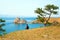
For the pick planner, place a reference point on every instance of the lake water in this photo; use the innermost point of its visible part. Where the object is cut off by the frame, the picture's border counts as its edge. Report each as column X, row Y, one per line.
column 11, row 27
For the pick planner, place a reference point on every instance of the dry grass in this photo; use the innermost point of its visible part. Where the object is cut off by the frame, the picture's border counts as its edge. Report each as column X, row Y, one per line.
column 54, row 19
column 46, row 33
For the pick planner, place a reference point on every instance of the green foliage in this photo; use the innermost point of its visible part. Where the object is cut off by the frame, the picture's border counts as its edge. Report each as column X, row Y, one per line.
column 39, row 11
column 51, row 7
column 40, row 18
column 2, row 20
column 0, row 34
column 48, row 10
column 2, row 31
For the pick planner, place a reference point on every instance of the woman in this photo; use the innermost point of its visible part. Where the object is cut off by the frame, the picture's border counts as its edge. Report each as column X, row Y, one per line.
column 27, row 27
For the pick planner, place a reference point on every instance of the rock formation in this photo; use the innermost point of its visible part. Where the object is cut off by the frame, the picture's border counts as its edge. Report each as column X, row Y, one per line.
column 23, row 21
column 18, row 20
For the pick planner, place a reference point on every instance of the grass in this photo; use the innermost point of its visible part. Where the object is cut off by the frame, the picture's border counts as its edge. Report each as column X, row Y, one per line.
column 54, row 19
column 45, row 33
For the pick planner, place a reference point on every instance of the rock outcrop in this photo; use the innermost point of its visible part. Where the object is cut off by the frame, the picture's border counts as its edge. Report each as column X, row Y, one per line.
column 23, row 21
column 18, row 20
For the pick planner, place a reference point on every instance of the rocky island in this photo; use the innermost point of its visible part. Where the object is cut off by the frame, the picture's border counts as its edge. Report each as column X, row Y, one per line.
column 18, row 20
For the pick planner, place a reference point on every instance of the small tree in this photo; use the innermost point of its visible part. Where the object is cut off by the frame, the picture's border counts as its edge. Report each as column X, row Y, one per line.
column 2, row 31
column 48, row 10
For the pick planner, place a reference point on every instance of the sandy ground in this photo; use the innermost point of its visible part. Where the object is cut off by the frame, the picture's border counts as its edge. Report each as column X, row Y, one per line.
column 45, row 33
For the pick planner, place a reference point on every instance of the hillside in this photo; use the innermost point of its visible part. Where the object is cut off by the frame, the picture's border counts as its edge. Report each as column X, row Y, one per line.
column 54, row 19
column 46, row 33
column 51, row 20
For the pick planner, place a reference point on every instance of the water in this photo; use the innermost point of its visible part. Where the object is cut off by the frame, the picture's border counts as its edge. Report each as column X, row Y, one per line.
column 11, row 27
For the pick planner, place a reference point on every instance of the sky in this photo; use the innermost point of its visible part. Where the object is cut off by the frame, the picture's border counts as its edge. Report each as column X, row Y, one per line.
column 24, row 8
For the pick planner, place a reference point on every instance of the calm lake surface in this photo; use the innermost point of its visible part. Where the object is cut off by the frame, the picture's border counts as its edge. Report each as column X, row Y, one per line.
column 11, row 27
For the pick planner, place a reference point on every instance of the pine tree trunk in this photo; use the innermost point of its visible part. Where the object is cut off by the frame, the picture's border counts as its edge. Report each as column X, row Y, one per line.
column 47, row 19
